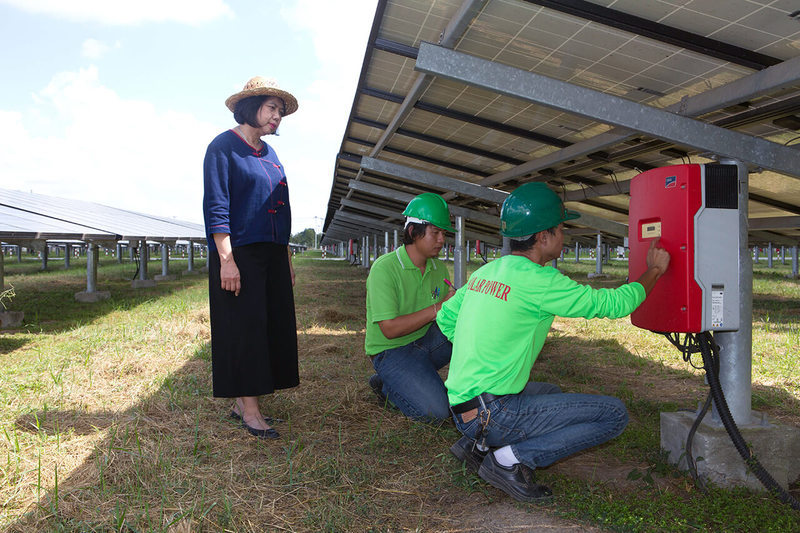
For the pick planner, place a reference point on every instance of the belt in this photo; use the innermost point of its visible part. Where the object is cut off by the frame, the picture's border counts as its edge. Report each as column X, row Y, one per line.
column 474, row 403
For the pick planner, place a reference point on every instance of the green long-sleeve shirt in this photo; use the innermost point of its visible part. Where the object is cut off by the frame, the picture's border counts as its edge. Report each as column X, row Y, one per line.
column 499, row 320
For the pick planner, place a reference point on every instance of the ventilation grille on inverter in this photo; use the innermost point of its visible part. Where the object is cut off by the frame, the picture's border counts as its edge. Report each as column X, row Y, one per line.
column 722, row 186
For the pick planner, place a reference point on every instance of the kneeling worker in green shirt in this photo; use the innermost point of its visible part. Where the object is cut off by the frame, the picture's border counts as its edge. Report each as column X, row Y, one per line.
column 498, row 323
column 405, row 289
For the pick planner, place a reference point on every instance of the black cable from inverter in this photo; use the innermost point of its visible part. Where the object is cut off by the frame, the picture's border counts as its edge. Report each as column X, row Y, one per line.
column 711, row 365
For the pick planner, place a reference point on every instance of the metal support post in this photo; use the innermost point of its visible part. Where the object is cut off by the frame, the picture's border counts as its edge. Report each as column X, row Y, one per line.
column 2, row 271
column 446, row 252
column 119, row 252
column 365, row 251
column 67, row 254
column 769, row 255
column 143, row 258
column 736, row 346
column 396, row 242
column 375, row 245
column 459, row 262
column 466, row 249
column 386, row 242
column 555, row 263
column 190, row 257
column 598, row 269
column 562, row 254
column 45, row 250
column 577, row 252
column 755, row 253
column 794, row 261
column 19, row 254
column 164, row 259
column 91, row 268
column 783, row 255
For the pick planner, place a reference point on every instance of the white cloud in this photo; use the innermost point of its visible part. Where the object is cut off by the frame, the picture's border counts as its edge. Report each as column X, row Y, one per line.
column 94, row 49
column 82, row 140
column 118, row 12
column 339, row 32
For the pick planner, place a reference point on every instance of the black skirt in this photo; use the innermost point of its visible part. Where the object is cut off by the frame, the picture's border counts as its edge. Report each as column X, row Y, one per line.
column 253, row 335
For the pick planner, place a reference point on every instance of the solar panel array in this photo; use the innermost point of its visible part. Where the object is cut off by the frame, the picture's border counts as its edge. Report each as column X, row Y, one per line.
column 26, row 216
column 733, row 64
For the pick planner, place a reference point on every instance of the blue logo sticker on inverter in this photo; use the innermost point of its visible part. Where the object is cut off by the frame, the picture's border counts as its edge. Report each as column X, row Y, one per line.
column 670, row 182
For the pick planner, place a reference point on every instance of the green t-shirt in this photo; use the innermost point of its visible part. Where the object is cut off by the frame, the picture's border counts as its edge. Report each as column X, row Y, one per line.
column 499, row 320
column 395, row 287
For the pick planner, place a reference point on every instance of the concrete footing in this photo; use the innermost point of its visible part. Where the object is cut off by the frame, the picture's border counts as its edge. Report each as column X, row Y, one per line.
column 162, row 277
column 11, row 319
column 776, row 446
column 596, row 275
column 143, row 283
column 90, row 297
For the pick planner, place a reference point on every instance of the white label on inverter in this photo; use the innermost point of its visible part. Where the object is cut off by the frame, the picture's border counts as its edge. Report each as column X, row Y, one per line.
column 717, row 300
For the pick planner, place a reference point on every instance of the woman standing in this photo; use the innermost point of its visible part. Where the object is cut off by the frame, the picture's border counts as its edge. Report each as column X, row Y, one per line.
column 248, row 223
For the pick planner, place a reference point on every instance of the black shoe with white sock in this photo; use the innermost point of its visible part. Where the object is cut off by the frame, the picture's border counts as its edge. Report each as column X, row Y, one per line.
column 517, row 481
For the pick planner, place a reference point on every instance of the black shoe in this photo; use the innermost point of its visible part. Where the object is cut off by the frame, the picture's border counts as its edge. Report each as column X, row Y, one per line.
column 376, row 384
column 268, row 419
column 516, row 481
column 467, row 452
column 261, row 433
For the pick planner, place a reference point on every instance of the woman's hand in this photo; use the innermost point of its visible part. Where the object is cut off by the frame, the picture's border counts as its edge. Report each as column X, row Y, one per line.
column 291, row 268
column 229, row 276
column 228, row 271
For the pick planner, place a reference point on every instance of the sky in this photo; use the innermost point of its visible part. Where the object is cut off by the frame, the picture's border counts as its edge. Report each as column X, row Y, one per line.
column 115, row 102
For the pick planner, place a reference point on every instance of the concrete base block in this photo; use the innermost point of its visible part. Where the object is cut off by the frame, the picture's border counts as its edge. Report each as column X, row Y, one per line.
column 11, row 319
column 162, row 277
column 143, row 283
column 596, row 275
column 776, row 446
column 95, row 296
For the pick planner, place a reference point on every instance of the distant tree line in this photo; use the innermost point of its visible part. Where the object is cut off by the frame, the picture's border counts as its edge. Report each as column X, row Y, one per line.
column 306, row 237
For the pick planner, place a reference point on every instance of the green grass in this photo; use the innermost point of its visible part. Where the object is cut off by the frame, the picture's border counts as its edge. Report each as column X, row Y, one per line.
column 108, row 423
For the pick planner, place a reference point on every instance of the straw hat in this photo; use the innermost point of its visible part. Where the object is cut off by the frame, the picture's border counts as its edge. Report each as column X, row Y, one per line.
column 263, row 86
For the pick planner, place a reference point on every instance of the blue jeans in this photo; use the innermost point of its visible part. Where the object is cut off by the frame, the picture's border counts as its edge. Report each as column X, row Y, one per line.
column 410, row 378
column 543, row 425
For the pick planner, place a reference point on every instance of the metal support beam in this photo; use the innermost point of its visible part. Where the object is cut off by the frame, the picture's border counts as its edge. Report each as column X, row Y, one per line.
column 794, row 261
column 606, row 108
column 432, row 179
column 462, row 187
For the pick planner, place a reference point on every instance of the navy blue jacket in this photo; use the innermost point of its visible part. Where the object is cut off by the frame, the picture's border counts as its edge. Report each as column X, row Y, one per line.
column 246, row 194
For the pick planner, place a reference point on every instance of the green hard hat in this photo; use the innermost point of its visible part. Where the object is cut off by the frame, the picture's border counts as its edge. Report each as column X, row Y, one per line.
column 431, row 208
column 531, row 208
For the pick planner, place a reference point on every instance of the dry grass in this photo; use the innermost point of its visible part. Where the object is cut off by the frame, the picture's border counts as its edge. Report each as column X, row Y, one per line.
column 109, row 424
